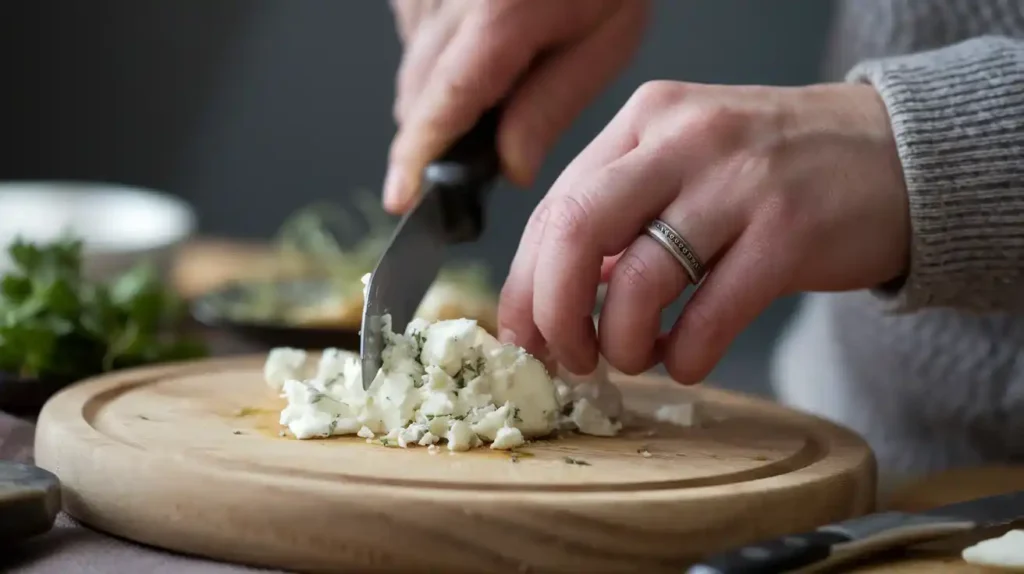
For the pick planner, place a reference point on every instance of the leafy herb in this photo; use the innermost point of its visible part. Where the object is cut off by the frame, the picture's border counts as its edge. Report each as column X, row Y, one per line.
column 385, row 441
column 576, row 461
column 56, row 323
column 515, row 415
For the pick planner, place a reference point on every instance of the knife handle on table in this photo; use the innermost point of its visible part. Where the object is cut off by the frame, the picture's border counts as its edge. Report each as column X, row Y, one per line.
column 781, row 555
column 463, row 176
column 854, row 539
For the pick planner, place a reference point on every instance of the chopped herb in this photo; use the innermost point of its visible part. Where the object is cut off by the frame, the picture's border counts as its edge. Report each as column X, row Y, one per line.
column 331, row 427
column 576, row 461
column 385, row 441
column 514, row 456
column 144, row 417
column 317, row 397
column 282, row 434
column 515, row 415
column 419, row 339
column 236, row 432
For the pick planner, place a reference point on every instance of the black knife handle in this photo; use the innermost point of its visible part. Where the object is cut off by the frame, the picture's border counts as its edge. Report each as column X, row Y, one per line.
column 464, row 175
column 772, row 557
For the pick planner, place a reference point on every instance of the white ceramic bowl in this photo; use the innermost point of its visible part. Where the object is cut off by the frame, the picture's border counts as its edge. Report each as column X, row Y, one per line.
column 118, row 225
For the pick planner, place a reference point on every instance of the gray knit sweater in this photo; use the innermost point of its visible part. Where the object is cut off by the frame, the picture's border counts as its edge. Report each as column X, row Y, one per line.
column 932, row 374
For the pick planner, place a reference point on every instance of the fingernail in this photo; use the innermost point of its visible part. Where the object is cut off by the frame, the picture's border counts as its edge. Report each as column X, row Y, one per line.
column 507, row 336
column 395, row 188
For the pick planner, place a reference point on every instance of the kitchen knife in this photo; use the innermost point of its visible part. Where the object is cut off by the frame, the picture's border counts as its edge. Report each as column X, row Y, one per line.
column 450, row 210
column 863, row 537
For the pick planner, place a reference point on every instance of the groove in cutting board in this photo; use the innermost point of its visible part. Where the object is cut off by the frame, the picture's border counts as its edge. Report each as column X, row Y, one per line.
column 187, row 457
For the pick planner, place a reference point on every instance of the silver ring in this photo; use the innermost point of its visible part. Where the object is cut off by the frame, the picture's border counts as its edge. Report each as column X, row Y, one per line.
column 674, row 243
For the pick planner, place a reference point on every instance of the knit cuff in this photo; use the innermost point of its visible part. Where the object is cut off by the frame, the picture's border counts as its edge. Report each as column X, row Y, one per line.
column 958, row 118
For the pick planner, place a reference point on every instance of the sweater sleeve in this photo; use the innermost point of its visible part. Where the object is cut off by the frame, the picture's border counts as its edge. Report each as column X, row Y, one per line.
column 957, row 114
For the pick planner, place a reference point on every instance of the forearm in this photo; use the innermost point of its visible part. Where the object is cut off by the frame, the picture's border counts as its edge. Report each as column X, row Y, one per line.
column 958, row 118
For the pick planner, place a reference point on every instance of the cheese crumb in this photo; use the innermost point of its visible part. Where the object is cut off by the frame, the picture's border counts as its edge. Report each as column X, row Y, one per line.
column 507, row 438
column 1005, row 552
column 282, row 364
column 590, row 420
column 679, row 414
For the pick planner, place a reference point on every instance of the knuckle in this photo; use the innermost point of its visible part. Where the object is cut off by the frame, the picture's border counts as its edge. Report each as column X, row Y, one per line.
column 715, row 121
column 535, row 224
column 633, row 271
column 569, row 219
column 654, row 94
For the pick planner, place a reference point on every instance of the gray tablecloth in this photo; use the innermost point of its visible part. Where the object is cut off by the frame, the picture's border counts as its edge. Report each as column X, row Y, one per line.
column 71, row 548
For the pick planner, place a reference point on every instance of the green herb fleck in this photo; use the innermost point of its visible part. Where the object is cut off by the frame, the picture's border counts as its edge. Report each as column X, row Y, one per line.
column 236, row 432
column 576, row 461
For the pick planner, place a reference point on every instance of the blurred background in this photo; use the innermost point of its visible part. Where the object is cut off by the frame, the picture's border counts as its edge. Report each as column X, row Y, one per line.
column 250, row 109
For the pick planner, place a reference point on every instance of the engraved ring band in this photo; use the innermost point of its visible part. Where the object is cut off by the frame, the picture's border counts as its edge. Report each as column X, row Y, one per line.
column 674, row 243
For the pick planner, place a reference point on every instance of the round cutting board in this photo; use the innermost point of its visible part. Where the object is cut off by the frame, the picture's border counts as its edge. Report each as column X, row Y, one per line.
column 190, row 457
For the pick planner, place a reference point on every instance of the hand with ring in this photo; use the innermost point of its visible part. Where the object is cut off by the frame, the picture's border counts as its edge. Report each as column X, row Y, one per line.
column 753, row 192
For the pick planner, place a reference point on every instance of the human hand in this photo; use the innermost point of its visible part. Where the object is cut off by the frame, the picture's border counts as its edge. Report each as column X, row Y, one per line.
column 777, row 190
column 545, row 61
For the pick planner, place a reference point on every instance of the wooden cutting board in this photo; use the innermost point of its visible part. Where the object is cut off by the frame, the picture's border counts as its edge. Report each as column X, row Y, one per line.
column 188, row 457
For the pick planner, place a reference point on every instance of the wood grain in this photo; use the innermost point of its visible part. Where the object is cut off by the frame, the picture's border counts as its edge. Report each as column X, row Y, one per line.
column 188, row 457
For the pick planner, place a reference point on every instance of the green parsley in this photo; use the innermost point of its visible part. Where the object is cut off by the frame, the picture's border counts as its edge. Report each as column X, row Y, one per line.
column 56, row 323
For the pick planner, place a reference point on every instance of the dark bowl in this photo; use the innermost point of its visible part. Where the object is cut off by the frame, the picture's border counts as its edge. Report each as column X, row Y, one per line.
column 26, row 395
column 210, row 311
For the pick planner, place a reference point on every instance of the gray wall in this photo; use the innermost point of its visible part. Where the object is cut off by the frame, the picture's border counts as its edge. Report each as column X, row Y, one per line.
column 252, row 108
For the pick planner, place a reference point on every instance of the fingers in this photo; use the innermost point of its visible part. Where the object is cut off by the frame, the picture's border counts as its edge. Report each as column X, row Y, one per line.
column 558, row 89
column 590, row 219
column 420, row 58
column 739, row 287
column 492, row 48
column 515, row 309
column 648, row 278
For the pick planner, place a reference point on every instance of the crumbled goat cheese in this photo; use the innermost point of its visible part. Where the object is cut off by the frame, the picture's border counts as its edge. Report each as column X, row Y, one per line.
column 1005, row 552
column 590, row 420
column 282, row 364
column 447, row 380
column 507, row 438
column 680, row 414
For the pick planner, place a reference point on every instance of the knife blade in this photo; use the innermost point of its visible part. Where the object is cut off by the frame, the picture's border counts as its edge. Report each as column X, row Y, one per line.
column 450, row 211
column 863, row 537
